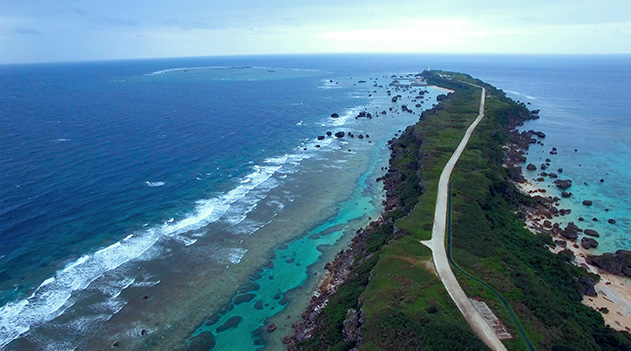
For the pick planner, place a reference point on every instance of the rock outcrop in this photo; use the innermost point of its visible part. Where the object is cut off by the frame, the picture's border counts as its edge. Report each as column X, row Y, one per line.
column 618, row 263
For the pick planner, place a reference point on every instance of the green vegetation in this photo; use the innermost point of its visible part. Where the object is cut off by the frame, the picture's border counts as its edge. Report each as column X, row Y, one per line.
column 404, row 303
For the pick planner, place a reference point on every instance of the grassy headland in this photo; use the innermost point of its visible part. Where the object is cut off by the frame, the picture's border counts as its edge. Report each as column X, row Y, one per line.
column 392, row 300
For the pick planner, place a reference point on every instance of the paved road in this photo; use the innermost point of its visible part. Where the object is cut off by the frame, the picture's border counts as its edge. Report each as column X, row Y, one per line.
column 439, row 251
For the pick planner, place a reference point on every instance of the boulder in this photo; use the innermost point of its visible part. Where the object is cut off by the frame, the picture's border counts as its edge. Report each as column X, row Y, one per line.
column 587, row 286
column 329, row 133
column 587, row 202
column 563, row 183
column 618, row 263
column 611, row 221
column 321, row 137
column 560, row 170
column 271, row 328
column 565, row 194
column 537, row 133
column 339, row 134
column 588, row 243
column 571, row 231
column 334, row 115
column 543, row 166
column 531, row 167
column 591, row 232
column 553, row 175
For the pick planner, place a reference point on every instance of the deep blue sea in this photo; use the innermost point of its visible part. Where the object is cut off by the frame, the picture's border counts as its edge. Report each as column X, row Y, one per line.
column 120, row 176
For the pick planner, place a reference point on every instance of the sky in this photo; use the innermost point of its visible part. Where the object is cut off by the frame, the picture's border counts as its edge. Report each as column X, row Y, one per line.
column 85, row 30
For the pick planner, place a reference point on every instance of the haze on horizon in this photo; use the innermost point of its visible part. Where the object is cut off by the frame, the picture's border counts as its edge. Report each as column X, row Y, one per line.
column 81, row 30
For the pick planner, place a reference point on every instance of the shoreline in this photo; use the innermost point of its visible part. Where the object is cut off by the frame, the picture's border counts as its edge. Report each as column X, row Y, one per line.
column 611, row 294
column 353, row 264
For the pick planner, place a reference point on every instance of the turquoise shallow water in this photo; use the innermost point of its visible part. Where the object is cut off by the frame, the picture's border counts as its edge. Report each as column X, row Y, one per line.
column 289, row 269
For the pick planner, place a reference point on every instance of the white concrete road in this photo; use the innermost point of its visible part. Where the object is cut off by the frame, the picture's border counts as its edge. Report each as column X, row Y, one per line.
column 439, row 251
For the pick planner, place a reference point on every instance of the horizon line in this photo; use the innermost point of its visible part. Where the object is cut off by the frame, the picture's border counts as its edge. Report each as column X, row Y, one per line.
column 305, row 54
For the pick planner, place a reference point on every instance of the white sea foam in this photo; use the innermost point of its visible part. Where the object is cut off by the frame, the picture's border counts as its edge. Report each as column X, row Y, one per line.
column 184, row 69
column 235, row 255
column 520, row 94
column 53, row 296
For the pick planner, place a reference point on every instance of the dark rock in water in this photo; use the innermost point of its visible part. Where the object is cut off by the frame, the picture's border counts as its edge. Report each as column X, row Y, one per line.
column 563, row 183
column 271, row 328
column 591, row 232
column 571, row 231
column 588, row 243
column 580, row 219
column 618, row 263
column 611, row 221
column 587, row 286
column 565, row 211
column 543, row 166
column 320, row 137
column 553, row 175
column 367, row 136
column 232, row 322
column 587, row 202
column 565, row 194
column 531, row 167
column 541, row 179
column 258, row 305
column 384, row 112
column 602, row 180
column 335, row 115
column 595, row 219
column 339, row 134
column 317, row 145
column 360, row 136
column 537, row 133
column 543, row 174
column 329, row 133
column 239, row 299
column 560, row 170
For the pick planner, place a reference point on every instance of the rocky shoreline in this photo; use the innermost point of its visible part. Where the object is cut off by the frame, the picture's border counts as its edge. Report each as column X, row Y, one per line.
column 339, row 270
column 610, row 294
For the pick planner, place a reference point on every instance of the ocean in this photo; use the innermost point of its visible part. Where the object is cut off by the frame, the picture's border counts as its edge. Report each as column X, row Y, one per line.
column 188, row 203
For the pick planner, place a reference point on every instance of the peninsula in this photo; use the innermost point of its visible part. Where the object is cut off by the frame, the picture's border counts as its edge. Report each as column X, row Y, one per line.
column 451, row 264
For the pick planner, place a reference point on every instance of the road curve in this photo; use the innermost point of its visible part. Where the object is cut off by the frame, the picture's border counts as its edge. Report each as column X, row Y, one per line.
column 439, row 251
